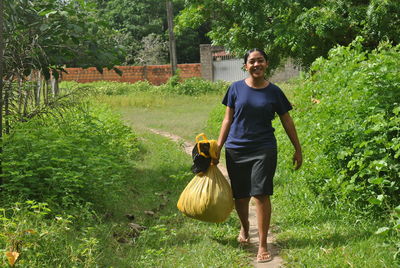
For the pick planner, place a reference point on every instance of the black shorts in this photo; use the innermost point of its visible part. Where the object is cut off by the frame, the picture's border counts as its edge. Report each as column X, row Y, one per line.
column 251, row 173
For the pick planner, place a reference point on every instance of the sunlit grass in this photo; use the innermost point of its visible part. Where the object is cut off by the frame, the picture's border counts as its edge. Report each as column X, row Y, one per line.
column 184, row 116
column 171, row 239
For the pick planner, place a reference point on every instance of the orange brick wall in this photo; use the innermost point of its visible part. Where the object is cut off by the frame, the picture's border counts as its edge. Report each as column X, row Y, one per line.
column 155, row 74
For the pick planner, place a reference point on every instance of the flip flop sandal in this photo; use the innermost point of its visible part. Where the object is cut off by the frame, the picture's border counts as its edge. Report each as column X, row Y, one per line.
column 242, row 240
column 264, row 257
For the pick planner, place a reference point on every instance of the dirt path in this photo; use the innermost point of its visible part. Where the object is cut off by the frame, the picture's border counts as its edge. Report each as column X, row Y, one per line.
column 253, row 247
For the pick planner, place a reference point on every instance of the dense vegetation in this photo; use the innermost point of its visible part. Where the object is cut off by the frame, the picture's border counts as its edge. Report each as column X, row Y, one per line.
column 141, row 30
column 69, row 166
column 72, row 175
column 303, row 30
column 356, row 126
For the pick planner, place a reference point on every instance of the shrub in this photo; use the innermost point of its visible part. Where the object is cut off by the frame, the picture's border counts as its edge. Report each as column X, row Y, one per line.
column 194, row 86
column 43, row 240
column 356, row 124
column 110, row 88
column 83, row 156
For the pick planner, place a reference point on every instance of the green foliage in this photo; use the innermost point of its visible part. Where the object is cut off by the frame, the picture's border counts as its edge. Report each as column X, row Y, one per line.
column 357, row 124
column 191, row 87
column 110, row 88
column 214, row 121
column 82, row 156
column 302, row 30
column 49, row 34
column 44, row 240
column 136, row 21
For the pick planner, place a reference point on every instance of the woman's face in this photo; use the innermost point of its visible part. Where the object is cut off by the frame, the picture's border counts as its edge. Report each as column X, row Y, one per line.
column 256, row 64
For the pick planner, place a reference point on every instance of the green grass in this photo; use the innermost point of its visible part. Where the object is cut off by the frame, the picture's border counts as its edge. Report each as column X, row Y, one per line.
column 184, row 116
column 314, row 235
column 171, row 239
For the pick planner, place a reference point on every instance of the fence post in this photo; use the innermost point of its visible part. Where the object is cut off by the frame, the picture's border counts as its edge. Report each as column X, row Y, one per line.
column 206, row 61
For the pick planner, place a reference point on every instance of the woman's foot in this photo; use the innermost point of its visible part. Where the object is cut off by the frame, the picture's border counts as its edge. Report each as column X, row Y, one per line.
column 264, row 257
column 243, row 237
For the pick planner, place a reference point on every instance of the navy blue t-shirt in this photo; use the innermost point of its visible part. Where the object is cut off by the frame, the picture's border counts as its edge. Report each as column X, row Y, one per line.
column 254, row 109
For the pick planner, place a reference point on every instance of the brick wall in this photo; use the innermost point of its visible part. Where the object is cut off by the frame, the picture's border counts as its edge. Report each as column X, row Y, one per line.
column 155, row 74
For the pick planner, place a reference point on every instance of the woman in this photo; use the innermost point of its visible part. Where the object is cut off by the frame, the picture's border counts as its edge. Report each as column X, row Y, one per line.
column 250, row 144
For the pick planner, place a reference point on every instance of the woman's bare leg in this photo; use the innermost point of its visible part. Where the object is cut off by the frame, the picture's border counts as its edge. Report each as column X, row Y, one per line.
column 263, row 212
column 242, row 209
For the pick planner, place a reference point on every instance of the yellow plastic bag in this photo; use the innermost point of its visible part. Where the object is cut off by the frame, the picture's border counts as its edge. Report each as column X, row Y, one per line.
column 208, row 196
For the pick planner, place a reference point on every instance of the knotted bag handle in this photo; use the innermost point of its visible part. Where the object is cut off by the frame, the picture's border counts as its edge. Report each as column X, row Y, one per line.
column 198, row 141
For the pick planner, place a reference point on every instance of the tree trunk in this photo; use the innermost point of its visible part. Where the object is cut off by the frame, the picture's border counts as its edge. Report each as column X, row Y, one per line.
column 38, row 88
column 1, row 89
column 54, row 87
column 20, row 97
column 25, row 101
column 172, row 45
column 7, row 96
column 44, row 90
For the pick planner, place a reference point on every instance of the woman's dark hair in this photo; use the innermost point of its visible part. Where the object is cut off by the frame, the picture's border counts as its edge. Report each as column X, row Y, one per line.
column 252, row 50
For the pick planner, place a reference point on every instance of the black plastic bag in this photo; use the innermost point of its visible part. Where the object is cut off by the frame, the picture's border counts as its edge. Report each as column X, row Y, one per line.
column 200, row 162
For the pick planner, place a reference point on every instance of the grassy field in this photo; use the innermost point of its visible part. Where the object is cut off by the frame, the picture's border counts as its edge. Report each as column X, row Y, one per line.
column 171, row 239
column 182, row 115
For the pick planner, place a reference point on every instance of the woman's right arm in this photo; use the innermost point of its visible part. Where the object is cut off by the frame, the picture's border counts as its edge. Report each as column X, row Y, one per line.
column 223, row 133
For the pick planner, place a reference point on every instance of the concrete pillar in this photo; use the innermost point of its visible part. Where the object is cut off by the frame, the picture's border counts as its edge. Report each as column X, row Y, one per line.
column 206, row 61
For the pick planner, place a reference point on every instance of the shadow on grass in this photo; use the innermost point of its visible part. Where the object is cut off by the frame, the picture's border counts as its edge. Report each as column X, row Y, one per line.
column 231, row 242
column 317, row 240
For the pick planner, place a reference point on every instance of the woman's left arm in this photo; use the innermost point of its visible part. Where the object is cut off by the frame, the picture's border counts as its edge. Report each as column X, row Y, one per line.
column 290, row 129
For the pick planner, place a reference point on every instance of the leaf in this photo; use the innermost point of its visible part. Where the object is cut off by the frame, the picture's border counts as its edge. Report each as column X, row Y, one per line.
column 12, row 257
column 44, row 27
column 397, row 209
column 376, row 180
column 48, row 13
column 118, row 71
column 30, row 231
column 382, row 231
column 374, row 201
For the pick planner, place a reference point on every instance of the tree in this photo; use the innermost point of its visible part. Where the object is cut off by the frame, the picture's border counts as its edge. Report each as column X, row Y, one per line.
column 135, row 19
column 41, row 37
column 1, row 88
column 302, row 30
column 153, row 51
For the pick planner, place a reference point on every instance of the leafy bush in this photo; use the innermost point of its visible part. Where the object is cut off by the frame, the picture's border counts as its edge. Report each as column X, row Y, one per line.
column 43, row 240
column 110, row 88
column 82, row 156
column 192, row 87
column 357, row 124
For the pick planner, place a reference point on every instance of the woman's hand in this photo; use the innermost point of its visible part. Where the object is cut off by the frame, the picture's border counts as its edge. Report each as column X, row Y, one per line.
column 290, row 129
column 297, row 159
column 215, row 161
